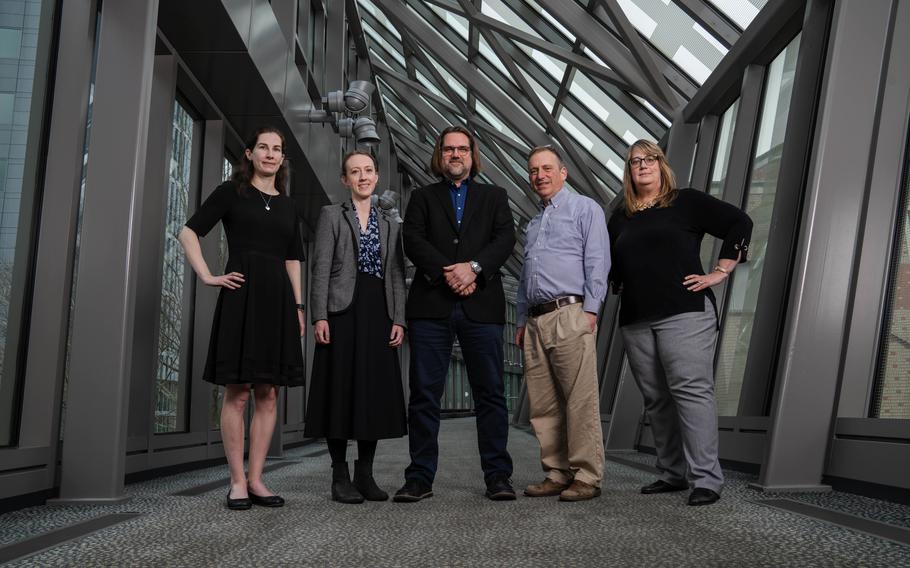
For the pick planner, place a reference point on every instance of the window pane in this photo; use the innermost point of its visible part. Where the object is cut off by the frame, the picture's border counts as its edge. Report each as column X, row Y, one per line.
column 170, row 381
column 218, row 391
column 741, row 303
column 719, row 171
column 891, row 398
column 20, row 157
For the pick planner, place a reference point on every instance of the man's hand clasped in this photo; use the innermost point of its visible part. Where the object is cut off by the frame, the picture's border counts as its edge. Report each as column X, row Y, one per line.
column 460, row 278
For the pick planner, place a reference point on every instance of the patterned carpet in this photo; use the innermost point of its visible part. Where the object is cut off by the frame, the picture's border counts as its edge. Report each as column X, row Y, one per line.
column 457, row 527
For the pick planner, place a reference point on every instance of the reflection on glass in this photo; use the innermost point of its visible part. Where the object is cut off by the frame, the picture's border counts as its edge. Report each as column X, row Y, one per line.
column 741, row 304
column 719, row 172
column 891, row 398
column 20, row 134
column 170, row 382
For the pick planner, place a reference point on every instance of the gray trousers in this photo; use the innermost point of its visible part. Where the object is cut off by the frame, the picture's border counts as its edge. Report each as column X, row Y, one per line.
column 672, row 360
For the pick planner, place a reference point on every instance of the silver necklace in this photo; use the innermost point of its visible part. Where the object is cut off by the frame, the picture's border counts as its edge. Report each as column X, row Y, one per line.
column 267, row 203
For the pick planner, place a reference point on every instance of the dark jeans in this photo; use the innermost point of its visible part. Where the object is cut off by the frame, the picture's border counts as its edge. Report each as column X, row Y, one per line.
column 431, row 351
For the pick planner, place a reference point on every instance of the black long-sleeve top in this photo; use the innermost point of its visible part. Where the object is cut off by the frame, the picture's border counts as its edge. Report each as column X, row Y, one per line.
column 655, row 249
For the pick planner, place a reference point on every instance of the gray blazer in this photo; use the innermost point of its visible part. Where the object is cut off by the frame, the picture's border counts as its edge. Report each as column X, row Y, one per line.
column 335, row 262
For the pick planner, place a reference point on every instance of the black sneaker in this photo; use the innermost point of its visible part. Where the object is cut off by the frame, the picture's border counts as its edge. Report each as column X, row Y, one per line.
column 500, row 489
column 412, row 491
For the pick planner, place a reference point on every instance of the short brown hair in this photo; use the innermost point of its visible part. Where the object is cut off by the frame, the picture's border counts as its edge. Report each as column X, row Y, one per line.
column 351, row 154
column 668, row 189
column 551, row 149
column 437, row 166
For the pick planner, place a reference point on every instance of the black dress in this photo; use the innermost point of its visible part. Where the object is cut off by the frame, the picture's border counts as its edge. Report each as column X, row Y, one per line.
column 255, row 332
column 356, row 391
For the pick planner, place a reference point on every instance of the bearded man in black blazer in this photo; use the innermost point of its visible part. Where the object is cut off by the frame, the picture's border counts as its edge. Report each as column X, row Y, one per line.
column 458, row 233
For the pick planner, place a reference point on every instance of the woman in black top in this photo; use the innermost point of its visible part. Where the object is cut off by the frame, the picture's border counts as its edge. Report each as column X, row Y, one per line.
column 357, row 306
column 668, row 312
column 258, row 319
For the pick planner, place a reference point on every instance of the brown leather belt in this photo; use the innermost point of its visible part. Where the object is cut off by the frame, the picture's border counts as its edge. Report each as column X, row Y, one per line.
column 547, row 307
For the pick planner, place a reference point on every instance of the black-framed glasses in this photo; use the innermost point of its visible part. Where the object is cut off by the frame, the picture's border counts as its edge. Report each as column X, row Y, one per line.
column 649, row 160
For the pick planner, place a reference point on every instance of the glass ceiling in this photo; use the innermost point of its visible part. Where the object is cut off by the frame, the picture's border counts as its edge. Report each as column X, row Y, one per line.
column 595, row 89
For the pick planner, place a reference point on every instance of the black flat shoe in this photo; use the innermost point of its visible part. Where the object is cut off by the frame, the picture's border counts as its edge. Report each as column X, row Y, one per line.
column 703, row 496
column 661, row 486
column 270, row 501
column 238, row 504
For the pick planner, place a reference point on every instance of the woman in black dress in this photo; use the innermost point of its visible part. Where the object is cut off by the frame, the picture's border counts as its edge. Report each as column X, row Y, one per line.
column 357, row 307
column 668, row 316
column 259, row 317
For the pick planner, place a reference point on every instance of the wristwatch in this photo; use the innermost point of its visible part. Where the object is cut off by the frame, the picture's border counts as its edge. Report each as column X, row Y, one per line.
column 475, row 267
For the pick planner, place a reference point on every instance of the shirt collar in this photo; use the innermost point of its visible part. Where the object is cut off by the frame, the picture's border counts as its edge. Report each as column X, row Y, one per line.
column 558, row 199
column 463, row 185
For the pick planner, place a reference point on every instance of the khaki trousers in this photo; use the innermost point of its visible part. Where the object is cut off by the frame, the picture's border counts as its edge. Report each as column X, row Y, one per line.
column 561, row 376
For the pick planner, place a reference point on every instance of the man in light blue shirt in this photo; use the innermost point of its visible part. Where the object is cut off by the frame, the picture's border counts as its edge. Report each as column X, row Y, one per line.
column 562, row 288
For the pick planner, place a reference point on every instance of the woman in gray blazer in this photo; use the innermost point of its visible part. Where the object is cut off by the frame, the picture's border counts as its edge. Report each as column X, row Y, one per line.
column 357, row 307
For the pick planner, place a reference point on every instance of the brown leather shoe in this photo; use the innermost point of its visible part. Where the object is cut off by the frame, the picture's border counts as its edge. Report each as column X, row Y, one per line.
column 579, row 491
column 548, row 488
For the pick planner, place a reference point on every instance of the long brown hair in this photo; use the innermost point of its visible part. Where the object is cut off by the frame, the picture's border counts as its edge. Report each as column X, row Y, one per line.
column 244, row 171
column 668, row 189
column 437, row 166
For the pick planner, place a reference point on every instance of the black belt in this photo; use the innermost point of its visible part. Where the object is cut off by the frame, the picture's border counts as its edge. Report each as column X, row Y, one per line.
column 547, row 307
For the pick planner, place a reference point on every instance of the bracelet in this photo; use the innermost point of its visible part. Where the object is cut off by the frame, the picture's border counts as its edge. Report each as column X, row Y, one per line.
column 301, row 307
column 719, row 268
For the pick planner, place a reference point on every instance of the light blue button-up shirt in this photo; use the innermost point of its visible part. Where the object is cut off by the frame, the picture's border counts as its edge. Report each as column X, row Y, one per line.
column 567, row 252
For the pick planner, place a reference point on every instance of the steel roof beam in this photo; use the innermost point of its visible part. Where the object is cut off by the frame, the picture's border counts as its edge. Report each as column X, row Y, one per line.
column 593, row 186
column 592, row 33
column 642, row 55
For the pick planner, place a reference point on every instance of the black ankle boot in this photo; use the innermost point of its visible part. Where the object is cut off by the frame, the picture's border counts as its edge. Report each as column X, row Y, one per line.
column 343, row 490
column 364, row 482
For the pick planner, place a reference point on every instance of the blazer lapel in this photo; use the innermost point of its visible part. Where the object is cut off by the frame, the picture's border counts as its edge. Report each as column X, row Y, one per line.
column 350, row 216
column 384, row 233
column 472, row 202
column 444, row 195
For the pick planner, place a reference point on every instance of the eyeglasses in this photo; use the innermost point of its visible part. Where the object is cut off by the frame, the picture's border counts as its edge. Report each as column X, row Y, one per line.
column 648, row 160
column 449, row 150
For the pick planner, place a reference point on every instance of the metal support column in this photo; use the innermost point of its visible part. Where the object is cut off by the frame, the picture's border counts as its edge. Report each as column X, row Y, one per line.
column 94, row 450
column 807, row 374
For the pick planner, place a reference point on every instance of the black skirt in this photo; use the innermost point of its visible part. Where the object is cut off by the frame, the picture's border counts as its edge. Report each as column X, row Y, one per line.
column 255, row 332
column 356, row 391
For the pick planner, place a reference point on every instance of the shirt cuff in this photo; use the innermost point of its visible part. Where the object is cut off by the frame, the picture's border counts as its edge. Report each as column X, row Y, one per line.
column 592, row 305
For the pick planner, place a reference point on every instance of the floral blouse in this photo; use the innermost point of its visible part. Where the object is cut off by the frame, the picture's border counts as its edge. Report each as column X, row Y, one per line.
column 369, row 258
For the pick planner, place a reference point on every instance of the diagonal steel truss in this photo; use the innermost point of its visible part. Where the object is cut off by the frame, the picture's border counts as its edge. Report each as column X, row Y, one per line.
column 494, row 80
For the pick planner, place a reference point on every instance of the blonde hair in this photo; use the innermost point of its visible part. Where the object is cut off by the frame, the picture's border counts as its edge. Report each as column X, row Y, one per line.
column 668, row 189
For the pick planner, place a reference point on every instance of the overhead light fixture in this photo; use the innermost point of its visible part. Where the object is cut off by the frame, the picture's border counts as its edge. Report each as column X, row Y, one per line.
column 349, row 105
column 365, row 132
column 388, row 201
column 354, row 101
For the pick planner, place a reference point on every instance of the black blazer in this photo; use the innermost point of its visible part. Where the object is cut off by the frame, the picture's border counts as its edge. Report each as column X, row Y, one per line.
column 432, row 240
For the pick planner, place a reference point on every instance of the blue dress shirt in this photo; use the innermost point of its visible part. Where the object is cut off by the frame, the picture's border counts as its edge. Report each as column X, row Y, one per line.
column 567, row 252
column 459, row 195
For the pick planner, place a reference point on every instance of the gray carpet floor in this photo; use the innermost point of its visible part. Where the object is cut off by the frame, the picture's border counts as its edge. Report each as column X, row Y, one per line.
column 457, row 527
